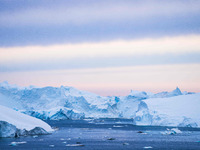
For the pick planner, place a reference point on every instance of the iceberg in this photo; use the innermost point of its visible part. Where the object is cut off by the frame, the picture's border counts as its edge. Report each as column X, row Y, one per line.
column 56, row 103
column 14, row 124
column 172, row 131
column 7, row 129
column 173, row 108
column 57, row 113
column 175, row 92
column 181, row 111
column 138, row 94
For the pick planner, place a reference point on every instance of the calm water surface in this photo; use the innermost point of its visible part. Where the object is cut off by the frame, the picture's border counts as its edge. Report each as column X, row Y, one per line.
column 106, row 134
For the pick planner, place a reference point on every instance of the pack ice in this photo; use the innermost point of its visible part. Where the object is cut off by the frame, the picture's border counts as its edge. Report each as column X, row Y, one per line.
column 174, row 108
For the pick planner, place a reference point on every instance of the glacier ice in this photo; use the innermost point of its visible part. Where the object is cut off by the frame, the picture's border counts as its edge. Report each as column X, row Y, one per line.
column 173, row 108
column 7, row 129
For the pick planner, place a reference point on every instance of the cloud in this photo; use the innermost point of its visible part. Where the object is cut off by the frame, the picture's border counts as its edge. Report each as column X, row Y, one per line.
column 37, row 37
column 105, row 11
column 179, row 49
column 40, row 23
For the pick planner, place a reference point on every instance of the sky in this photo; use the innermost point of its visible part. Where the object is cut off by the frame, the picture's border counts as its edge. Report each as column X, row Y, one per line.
column 106, row 47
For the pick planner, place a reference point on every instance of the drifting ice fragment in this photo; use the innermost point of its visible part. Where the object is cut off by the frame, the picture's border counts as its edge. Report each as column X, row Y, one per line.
column 74, row 145
column 35, row 136
column 16, row 143
column 125, row 143
column 172, row 131
column 148, row 147
column 117, row 126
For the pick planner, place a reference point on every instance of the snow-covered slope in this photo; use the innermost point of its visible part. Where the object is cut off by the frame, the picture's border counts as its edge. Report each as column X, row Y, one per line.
column 69, row 103
column 13, row 122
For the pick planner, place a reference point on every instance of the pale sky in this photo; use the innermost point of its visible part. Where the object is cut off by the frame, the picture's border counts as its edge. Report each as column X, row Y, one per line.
column 106, row 47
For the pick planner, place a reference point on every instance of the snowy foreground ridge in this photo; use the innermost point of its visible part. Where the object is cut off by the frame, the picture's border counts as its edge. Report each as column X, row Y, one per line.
column 174, row 108
column 14, row 124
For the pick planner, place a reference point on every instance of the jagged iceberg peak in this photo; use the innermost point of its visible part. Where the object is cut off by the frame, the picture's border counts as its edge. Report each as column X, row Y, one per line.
column 6, row 85
column 71, row 91
column 138, row 94
column 175, row 92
